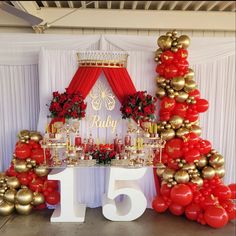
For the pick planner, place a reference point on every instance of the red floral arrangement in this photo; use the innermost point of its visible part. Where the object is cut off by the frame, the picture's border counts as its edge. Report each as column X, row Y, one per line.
column 139, row 106
column 67, row 105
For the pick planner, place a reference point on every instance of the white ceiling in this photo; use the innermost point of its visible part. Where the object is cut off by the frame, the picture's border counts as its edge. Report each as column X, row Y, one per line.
column 139, row 5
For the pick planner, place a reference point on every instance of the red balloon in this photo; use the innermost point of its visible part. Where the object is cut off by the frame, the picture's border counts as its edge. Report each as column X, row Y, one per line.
column 36, row 185
column 165, row 190
column 170, row 71
column 192, row 211
column 164, row 115
column 183, row 65
column 176, row 209
column 216, row 216
column 174, row 147
column 167, row 104
column 11, row 171
column 209, row 200
column 233, row 190
column 23, row 178
column 195, row 93
column 192, row 116
column 167, row 57
column 22, row 151
column 38, row 155
column 181, row 54
column 231, row 211
column 205, row 147
column 53, row 198
column 51, row 184
column 202, row 105
column 180, row 109
column 191, row 138
column 159, row 205
column 160, row 69
column 181, row 194
column 41, row 206
column 223, row 192
column 192, row 155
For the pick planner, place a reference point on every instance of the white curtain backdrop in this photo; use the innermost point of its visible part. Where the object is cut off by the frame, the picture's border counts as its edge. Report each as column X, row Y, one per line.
column 213, row 60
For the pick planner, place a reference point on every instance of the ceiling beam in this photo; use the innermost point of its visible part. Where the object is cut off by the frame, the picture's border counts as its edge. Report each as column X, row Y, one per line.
column 108, row 4
column 173, row 5
column 198, row 5
column 134, row 5
column 224, row 5
column 212, row 5
column 28, row 6
column 160, row 5
column 58, row 4
column 122, row 4
column 147, row 5
column 139, row 19
column 186, row 5
column 96, row 4
column 83, row 4
column 45, row 3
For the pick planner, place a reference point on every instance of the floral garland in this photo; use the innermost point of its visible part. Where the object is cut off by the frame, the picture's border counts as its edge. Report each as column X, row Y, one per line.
column 139, row 106
column 67, row 105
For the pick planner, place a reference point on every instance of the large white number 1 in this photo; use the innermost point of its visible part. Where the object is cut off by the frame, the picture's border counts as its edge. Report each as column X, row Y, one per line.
column 68, row 210
column 121, row 182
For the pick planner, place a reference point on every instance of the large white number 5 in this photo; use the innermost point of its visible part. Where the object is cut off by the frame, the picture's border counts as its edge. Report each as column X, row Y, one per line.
column 121, row 182
column 68, row 210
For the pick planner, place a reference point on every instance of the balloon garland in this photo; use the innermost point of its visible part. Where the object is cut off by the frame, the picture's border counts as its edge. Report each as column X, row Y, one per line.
column 24, row 186
column 190, row 170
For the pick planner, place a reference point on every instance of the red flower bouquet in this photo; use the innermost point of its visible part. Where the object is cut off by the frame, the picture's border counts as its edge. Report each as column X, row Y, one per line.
column 67, row 105
column 139, row 106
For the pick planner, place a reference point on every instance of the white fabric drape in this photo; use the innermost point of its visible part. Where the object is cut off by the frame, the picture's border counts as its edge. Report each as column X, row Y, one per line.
column 19, row 106
column 213, row 60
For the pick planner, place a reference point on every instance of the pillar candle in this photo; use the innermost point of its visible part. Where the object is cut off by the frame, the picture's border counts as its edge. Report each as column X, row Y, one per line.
column 127, row 140
column 78, row 141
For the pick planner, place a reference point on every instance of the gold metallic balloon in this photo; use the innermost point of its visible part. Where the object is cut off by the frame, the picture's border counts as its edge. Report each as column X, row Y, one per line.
column 24, row 196
column 158, row 53
column 184, row 40
column 176, row 121
column 2, row 175
column 182, row 96
column 190, row 74
column 41, row 171
column 24, row 134
column 20, row 166
column 189, row 85
column 220, row 171
column 160, row 80
column 208, row 172
column 168, row 174
column 38, row 199
column 196, row 129
column 35, row 136
column 177, row 83
column 160, row 169
column 6, row 208
column 190, row 166
column 216, row 160
column 160, row 92
column 198, row 181
column 182, row 176
column 181, row 132
column 202, row 162
column 164, row 42
column 167, row 134
column 23, row 209
column 13, row 182
column 9, row 195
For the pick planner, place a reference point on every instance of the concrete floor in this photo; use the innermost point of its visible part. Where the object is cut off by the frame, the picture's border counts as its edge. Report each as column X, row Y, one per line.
column 149, row 224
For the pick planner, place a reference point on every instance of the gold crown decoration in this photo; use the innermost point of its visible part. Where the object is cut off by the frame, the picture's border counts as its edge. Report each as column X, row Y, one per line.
column 102, row 59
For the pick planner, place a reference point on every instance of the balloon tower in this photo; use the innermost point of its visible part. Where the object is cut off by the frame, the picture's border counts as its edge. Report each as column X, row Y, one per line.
column 189, row 170
column 24, row 186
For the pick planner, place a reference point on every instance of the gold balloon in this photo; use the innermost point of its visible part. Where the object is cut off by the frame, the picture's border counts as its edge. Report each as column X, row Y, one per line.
column 190, row 166
column 24, row 196
column 164, row 42
column 189, row 85
column 196, row 129
column 182, row 176
column 158, row 52
column 23, row 209
column 184, row 40
column 198, row 181
column 167, row 134
column 202, row 162
column 216, row 160
column 181, row 132
column 9, row 195
column 35, row 136
column 177, row 83
column 208, row 172
column 176, row 121
column 2, row 175
column 220, row 171
column 41, row 171
column 20, row 166
column 6, row 208
column 168, row 174
column 160, row 80
column 160, row 92
column 38, row 199
column 13, row 182
column 182, row 96
column 24, row 134
column 190, row 74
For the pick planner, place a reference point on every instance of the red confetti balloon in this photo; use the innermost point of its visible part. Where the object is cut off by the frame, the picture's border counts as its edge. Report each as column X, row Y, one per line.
column 176, row 209
column 167, row 57
column 167, row 104
column 174, row 147
column 216, row 216
column 181, row 194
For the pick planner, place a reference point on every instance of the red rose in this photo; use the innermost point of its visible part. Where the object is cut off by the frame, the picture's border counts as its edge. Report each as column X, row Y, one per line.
column 83, row 106
column 128, row 110
column 147, row 110
column 55, row 94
